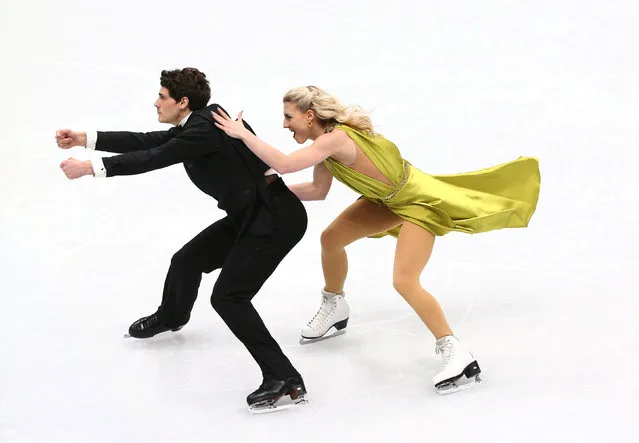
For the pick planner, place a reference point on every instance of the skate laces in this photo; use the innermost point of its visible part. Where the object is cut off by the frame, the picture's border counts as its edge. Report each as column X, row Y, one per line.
column 149, row 322
column 447, row 350
column 324, row 312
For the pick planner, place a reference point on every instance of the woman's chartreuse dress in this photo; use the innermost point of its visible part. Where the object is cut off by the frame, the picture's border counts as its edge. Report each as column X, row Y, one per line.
column 498, row 197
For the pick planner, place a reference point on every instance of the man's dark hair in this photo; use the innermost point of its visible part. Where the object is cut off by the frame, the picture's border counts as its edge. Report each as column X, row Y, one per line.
column 189, row 83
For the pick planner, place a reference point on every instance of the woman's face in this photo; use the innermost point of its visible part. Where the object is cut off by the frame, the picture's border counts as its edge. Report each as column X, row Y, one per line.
column 297, row 122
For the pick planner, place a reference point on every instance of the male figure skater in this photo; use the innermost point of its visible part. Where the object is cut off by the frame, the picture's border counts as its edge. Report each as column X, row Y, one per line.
column 264, row 221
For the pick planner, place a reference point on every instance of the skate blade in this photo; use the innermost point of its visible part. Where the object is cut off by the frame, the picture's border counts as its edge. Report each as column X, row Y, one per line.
column 306, row 341
column 456, row 386
column 127, row 335
column 283, row 403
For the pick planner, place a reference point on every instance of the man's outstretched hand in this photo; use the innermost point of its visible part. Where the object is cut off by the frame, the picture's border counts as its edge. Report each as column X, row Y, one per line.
column 66, row 138
column 74, row 168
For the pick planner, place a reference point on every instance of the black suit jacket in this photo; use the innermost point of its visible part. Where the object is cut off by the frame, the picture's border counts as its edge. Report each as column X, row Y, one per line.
column 219, row 165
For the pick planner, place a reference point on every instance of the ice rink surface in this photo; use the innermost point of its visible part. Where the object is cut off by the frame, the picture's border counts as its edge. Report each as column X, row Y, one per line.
column 549, row 311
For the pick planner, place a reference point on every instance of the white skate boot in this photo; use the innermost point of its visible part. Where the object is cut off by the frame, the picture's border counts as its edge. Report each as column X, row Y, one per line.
column 332, row 316
column 458, row 362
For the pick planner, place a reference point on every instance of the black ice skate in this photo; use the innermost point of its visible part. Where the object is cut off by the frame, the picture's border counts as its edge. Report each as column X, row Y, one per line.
column 273, row 395
column 147, row 327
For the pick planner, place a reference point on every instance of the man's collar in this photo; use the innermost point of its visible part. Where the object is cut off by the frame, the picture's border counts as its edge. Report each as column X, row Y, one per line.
column 183, row 122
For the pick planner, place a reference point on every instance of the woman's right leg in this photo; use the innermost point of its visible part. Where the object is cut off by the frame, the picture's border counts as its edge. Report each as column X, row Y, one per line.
column 361, row 219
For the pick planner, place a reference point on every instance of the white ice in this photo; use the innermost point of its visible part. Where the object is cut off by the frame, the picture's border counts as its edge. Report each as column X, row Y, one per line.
column 550, row 311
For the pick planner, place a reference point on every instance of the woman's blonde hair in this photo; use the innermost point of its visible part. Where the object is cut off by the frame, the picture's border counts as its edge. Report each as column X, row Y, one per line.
column 328, row 109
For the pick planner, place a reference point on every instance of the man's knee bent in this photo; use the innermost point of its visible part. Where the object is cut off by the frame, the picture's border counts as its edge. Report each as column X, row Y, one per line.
column 180, row 258
column 218, row 303
column 189, row 262
column 224, row 299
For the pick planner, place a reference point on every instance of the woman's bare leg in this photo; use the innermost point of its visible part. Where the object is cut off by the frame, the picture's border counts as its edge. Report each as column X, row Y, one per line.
column 414, row 248
column 361, row 219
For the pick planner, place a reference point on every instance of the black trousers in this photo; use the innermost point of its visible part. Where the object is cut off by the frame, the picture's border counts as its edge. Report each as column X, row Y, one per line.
column 245, row 266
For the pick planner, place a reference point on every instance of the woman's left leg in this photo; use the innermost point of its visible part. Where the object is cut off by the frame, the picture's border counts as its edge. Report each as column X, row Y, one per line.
column 414, row 248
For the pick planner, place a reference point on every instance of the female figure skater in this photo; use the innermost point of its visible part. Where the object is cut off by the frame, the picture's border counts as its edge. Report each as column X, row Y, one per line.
column 397, row 199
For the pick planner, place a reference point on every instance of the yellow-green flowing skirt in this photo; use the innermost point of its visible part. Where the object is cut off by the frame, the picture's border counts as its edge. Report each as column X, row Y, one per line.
column 502, row 196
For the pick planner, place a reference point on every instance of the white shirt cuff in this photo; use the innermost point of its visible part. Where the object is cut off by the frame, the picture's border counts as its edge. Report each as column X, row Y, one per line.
column 92, row 139
column 98, row 167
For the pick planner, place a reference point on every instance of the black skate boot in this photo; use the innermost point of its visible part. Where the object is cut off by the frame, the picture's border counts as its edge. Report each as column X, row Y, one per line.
column 147, row 327
column 277, row 394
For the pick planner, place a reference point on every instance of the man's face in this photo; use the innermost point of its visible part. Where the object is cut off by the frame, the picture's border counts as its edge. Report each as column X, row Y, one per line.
column 170, row 111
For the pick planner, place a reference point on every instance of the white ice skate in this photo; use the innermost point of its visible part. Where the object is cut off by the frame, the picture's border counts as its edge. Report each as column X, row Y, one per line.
column 460, row 370
column 329, row 321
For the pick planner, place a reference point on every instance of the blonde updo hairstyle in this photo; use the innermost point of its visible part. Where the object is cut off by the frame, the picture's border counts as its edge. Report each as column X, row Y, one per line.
column 328, row 110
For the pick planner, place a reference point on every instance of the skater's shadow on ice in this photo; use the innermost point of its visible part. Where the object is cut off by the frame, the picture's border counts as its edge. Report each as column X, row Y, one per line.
column 175, row 341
